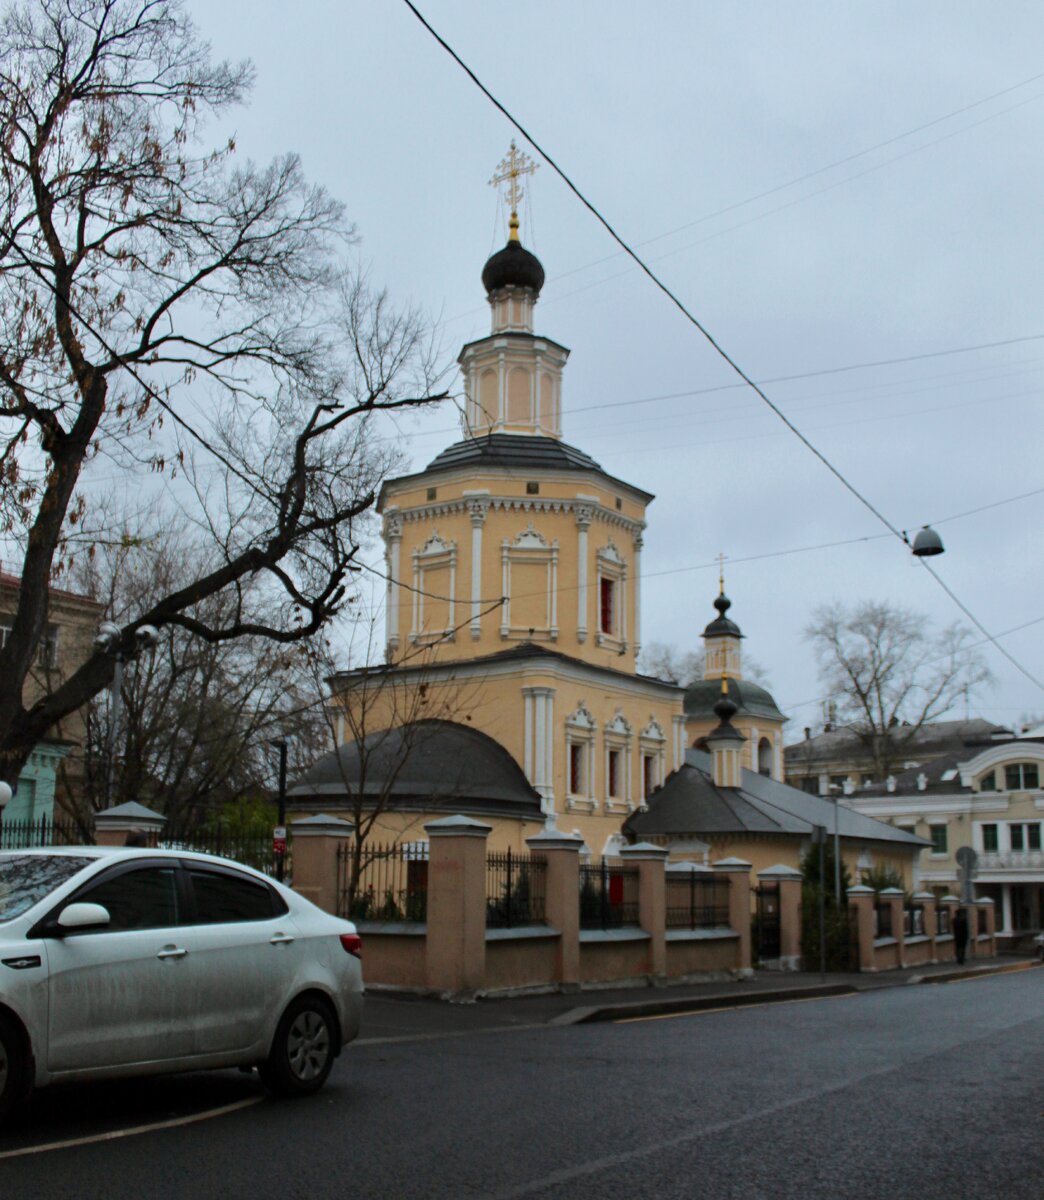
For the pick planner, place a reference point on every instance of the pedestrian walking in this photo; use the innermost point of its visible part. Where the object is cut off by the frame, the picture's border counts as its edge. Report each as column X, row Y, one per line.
column 960, row 933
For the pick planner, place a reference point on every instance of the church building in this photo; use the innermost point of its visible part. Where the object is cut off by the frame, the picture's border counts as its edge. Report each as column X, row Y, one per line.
column 514, row 619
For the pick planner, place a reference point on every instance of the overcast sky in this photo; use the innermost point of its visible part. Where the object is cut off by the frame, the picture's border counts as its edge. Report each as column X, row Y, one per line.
column 688, row 125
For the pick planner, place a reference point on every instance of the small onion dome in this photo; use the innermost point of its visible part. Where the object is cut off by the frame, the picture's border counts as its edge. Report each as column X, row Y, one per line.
column 721, row 623
column 725, row 709
column 514, row 266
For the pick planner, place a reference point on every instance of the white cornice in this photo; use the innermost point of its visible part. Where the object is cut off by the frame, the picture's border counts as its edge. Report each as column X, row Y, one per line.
column 524, row 504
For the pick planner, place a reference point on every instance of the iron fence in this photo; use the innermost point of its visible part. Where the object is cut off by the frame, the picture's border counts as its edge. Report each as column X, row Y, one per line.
column 252, row 847
column 942, row 922
column 40, row 831
column 608, row 896
column 883, row 920
column 913, row 922
column 392, row 882
column 697, row 901
column 515, row 890
column 982, row 926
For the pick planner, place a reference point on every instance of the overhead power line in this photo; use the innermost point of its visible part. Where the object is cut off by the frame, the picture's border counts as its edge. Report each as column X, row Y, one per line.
column 706, row 334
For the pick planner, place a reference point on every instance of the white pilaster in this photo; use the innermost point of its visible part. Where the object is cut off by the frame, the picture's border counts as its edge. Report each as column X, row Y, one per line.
column 638, row 543
column 584, row 516
column 1006, row 907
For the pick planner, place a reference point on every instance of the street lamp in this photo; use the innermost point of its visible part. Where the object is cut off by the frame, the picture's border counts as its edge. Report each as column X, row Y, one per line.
column 926, row 542
column 5, row 795
column 836, row 790
column 110, row 641
column 279, row 841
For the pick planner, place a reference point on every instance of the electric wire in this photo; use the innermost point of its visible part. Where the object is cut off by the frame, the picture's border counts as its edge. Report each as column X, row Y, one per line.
column 706, row 334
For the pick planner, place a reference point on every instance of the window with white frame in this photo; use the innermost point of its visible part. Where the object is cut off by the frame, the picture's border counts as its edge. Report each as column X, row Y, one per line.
column 653, row 744
column 939, row 838
column 434, row 587
column 1021, row 777
column 617, row 734
column 580, row 750
column 529, row 565
column 1024, row 835
column 611, row 597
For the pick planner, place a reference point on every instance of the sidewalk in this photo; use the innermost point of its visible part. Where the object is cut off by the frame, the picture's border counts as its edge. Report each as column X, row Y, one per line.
column 397, row 1016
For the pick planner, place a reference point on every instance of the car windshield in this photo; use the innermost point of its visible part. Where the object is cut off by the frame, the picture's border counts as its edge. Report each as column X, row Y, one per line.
column 26, row 879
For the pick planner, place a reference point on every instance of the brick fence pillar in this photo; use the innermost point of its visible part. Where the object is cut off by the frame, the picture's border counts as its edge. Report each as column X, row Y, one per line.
column 455, row 952
column 861, row 902
column 316, row 843
column 652, row 901
column 951, row 904
column 789, row 882
column 133, row 821
column 561, row 852
column 738, row 872
column 985, row 905
column 926, row 902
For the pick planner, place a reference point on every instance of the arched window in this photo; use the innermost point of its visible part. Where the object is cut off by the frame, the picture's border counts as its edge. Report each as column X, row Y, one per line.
column 765, row 757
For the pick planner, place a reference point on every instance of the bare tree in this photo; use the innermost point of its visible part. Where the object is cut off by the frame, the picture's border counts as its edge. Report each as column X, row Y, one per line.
column 378, row 719
column 685, row 667
column 162, row 311
column 890, row 674
column 190, row 732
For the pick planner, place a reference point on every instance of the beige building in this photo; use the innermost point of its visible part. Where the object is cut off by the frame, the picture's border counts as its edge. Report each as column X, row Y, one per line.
column 55, row 768
column 514, row 565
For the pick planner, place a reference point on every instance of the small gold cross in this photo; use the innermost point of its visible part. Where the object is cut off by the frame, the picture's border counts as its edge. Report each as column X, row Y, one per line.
column 515, row 164
column 721, row 572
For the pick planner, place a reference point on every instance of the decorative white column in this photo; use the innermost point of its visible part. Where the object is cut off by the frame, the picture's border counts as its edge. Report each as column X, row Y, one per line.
column 639, row 541
column 479, row 509
column 539, row 751
column 1006, row 906
column 393, row 547
column 678, row 721
column 584, row 517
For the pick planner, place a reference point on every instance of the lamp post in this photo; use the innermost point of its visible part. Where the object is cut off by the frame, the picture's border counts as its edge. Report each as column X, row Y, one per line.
column 836, row 790
column 279, row 840
column 110, row 641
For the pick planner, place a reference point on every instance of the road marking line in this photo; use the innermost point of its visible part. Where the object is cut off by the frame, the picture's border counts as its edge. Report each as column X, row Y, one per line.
column 115, row 1134
column 699, row 1012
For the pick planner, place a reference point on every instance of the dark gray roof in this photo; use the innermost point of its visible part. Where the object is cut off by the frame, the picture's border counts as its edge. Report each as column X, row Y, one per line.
column 931, row 740
column 689, row 804
column 431, row 764
column 908, row 782
column 516, row 452
column 750, row 699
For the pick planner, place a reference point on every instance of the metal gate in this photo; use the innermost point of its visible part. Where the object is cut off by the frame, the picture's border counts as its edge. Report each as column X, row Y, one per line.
column 765, row 941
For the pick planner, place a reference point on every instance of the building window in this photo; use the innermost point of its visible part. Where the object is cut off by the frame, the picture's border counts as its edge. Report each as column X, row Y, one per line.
column 576, row 768
column 606, row 605
column 47, row 651
column 810, row 784
column 1021, row 777
column 939, row 841
column 765, row 757
column 613, row 772
column 989, row 839
column 1025, row 835
column 988, row 783
column 838, row 781
column 532, row 488
column 648, row 775
column 432, row 493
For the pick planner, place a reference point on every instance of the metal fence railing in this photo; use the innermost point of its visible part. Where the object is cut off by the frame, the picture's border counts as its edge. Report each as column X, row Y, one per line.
column 608, row 896
column 883, row 920
column 252, row 847
column 942, row 921
column 697, row 901
column 391, row 885
column 39, row 831
column 913, row 922
column 515, row 890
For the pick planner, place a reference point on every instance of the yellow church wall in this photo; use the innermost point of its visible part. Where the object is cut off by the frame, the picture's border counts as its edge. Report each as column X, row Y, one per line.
column 752, row 729
column 501, row 510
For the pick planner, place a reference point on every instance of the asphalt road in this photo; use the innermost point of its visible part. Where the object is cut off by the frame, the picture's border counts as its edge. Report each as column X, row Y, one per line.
column 908, row 1092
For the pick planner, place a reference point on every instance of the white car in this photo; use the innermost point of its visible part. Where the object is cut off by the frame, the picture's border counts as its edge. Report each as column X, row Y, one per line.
column 132, row 962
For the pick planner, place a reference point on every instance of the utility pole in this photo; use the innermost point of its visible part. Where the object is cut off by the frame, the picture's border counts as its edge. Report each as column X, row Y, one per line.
column 279, row 838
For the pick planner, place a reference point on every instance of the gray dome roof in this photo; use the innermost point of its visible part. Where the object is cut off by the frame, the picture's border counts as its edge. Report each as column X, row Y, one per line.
column 750, row 699
column 430, row 764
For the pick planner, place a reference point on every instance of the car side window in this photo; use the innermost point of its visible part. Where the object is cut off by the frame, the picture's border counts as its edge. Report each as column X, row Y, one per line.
column 145, row 898
column 223, row 897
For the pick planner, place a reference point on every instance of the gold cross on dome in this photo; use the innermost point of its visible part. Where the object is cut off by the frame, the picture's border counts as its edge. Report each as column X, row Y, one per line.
column 511, row 168
column 721, row 572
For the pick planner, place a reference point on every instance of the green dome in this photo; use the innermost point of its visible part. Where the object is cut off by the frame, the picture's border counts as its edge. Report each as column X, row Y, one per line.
column 750, row 699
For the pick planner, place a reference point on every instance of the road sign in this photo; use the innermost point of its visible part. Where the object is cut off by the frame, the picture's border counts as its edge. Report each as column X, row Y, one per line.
column 279, row 839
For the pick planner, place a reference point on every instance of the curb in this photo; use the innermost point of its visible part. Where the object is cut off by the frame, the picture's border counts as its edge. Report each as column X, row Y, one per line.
column 658, row 1008
column 974, row 973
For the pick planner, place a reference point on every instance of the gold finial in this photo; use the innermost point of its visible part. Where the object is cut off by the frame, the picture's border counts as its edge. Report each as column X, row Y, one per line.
column 724, row 682
column 512, row 167
column 721, row 573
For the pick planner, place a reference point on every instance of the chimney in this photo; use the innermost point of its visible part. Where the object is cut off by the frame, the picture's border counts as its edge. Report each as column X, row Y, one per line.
column 725, row 742
column 808, row 733
column 922, row 781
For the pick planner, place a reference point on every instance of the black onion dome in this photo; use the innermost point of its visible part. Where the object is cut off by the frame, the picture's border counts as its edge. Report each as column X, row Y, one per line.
column 725, row 709
column 514, row 266
column 721, row 623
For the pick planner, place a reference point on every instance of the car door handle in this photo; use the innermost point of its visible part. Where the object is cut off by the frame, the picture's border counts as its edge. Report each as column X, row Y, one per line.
column 281, row 939
column 172, row 952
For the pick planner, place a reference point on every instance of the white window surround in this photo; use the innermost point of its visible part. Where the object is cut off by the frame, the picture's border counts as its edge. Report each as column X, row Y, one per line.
column 530, row 547
column 611, row 566
column 617, row 735
column 580, row 732
column 652, row 743
column 434, row 555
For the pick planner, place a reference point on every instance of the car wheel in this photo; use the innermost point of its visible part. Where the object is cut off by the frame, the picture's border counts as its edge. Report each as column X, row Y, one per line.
column 14, row 1066
column 303, row 1049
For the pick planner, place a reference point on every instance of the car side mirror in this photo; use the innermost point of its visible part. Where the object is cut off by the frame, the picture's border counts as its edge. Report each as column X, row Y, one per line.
column 81, row 916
